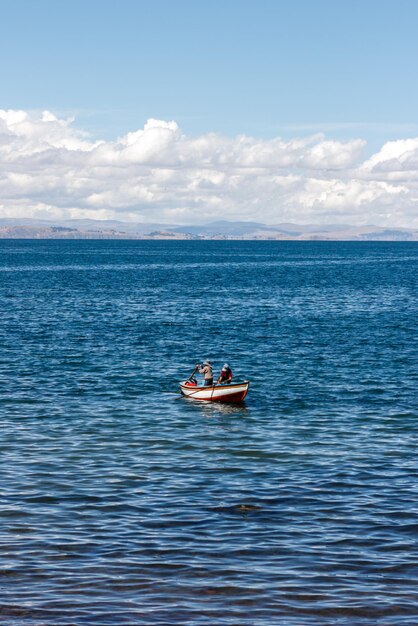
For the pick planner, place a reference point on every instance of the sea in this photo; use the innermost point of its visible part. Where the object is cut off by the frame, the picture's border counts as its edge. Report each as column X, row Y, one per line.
column 121, row 502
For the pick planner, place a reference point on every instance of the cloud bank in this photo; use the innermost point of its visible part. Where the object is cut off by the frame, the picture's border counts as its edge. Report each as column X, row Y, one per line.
column 49, row 169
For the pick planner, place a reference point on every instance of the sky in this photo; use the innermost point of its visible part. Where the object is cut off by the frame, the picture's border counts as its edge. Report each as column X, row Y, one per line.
column 180, row 111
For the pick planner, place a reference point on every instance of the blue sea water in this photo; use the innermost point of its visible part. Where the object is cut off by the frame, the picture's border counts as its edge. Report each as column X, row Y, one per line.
column 124, row 503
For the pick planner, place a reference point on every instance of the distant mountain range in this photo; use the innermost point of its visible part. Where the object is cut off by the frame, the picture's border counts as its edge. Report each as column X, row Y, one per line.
column 15, row 228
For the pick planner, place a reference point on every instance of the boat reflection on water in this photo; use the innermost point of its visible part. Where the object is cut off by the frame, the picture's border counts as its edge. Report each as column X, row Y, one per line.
column 218, row 409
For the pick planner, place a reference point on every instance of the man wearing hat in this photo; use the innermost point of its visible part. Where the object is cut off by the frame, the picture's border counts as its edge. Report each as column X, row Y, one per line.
column 226, row 374
column 207, row 371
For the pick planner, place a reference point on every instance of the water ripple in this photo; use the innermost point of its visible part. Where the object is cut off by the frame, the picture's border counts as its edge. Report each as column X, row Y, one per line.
column 123, row 503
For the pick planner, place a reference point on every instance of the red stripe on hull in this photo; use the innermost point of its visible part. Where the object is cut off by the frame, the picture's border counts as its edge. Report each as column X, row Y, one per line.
column 235, row 397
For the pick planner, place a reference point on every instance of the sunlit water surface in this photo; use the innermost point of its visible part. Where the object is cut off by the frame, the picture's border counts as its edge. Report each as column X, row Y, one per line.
column 123, row 503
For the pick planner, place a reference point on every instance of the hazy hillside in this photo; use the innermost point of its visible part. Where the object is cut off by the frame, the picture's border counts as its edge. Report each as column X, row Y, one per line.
column 112, row 229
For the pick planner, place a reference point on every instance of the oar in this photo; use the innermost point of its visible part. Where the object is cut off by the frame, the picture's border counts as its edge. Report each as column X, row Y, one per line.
column 193, row 373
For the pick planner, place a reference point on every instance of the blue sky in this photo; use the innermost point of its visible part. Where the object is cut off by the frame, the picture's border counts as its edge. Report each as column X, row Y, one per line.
column 296, row 110
column 262, row 68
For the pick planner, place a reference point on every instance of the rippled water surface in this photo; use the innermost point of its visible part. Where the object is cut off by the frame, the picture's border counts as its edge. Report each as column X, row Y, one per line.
column 123, row 503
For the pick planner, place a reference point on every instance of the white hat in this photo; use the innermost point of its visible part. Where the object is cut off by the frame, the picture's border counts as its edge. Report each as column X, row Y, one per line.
column 226, row 366
column 207, row 362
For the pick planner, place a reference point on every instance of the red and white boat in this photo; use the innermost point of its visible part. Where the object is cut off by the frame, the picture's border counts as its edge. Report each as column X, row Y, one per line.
column 234, row 392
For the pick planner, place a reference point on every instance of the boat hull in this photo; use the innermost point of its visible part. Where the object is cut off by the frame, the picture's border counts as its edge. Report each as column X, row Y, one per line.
column 216, row 393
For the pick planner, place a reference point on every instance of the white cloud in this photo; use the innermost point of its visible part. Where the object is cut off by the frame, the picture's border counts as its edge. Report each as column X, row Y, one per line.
column 395, row 157
column 48, row 168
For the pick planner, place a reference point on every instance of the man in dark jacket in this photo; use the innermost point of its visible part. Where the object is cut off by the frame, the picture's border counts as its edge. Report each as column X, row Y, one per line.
column 226, row 374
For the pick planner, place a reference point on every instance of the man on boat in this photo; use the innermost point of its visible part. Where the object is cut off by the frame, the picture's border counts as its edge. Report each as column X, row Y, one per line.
column 207, row 371
column 226, row 374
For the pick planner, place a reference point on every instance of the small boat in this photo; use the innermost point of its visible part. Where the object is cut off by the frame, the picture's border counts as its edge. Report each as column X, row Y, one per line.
column 234, row 392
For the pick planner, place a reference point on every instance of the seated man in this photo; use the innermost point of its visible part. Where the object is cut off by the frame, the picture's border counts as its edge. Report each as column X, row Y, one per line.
column 226, row 374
